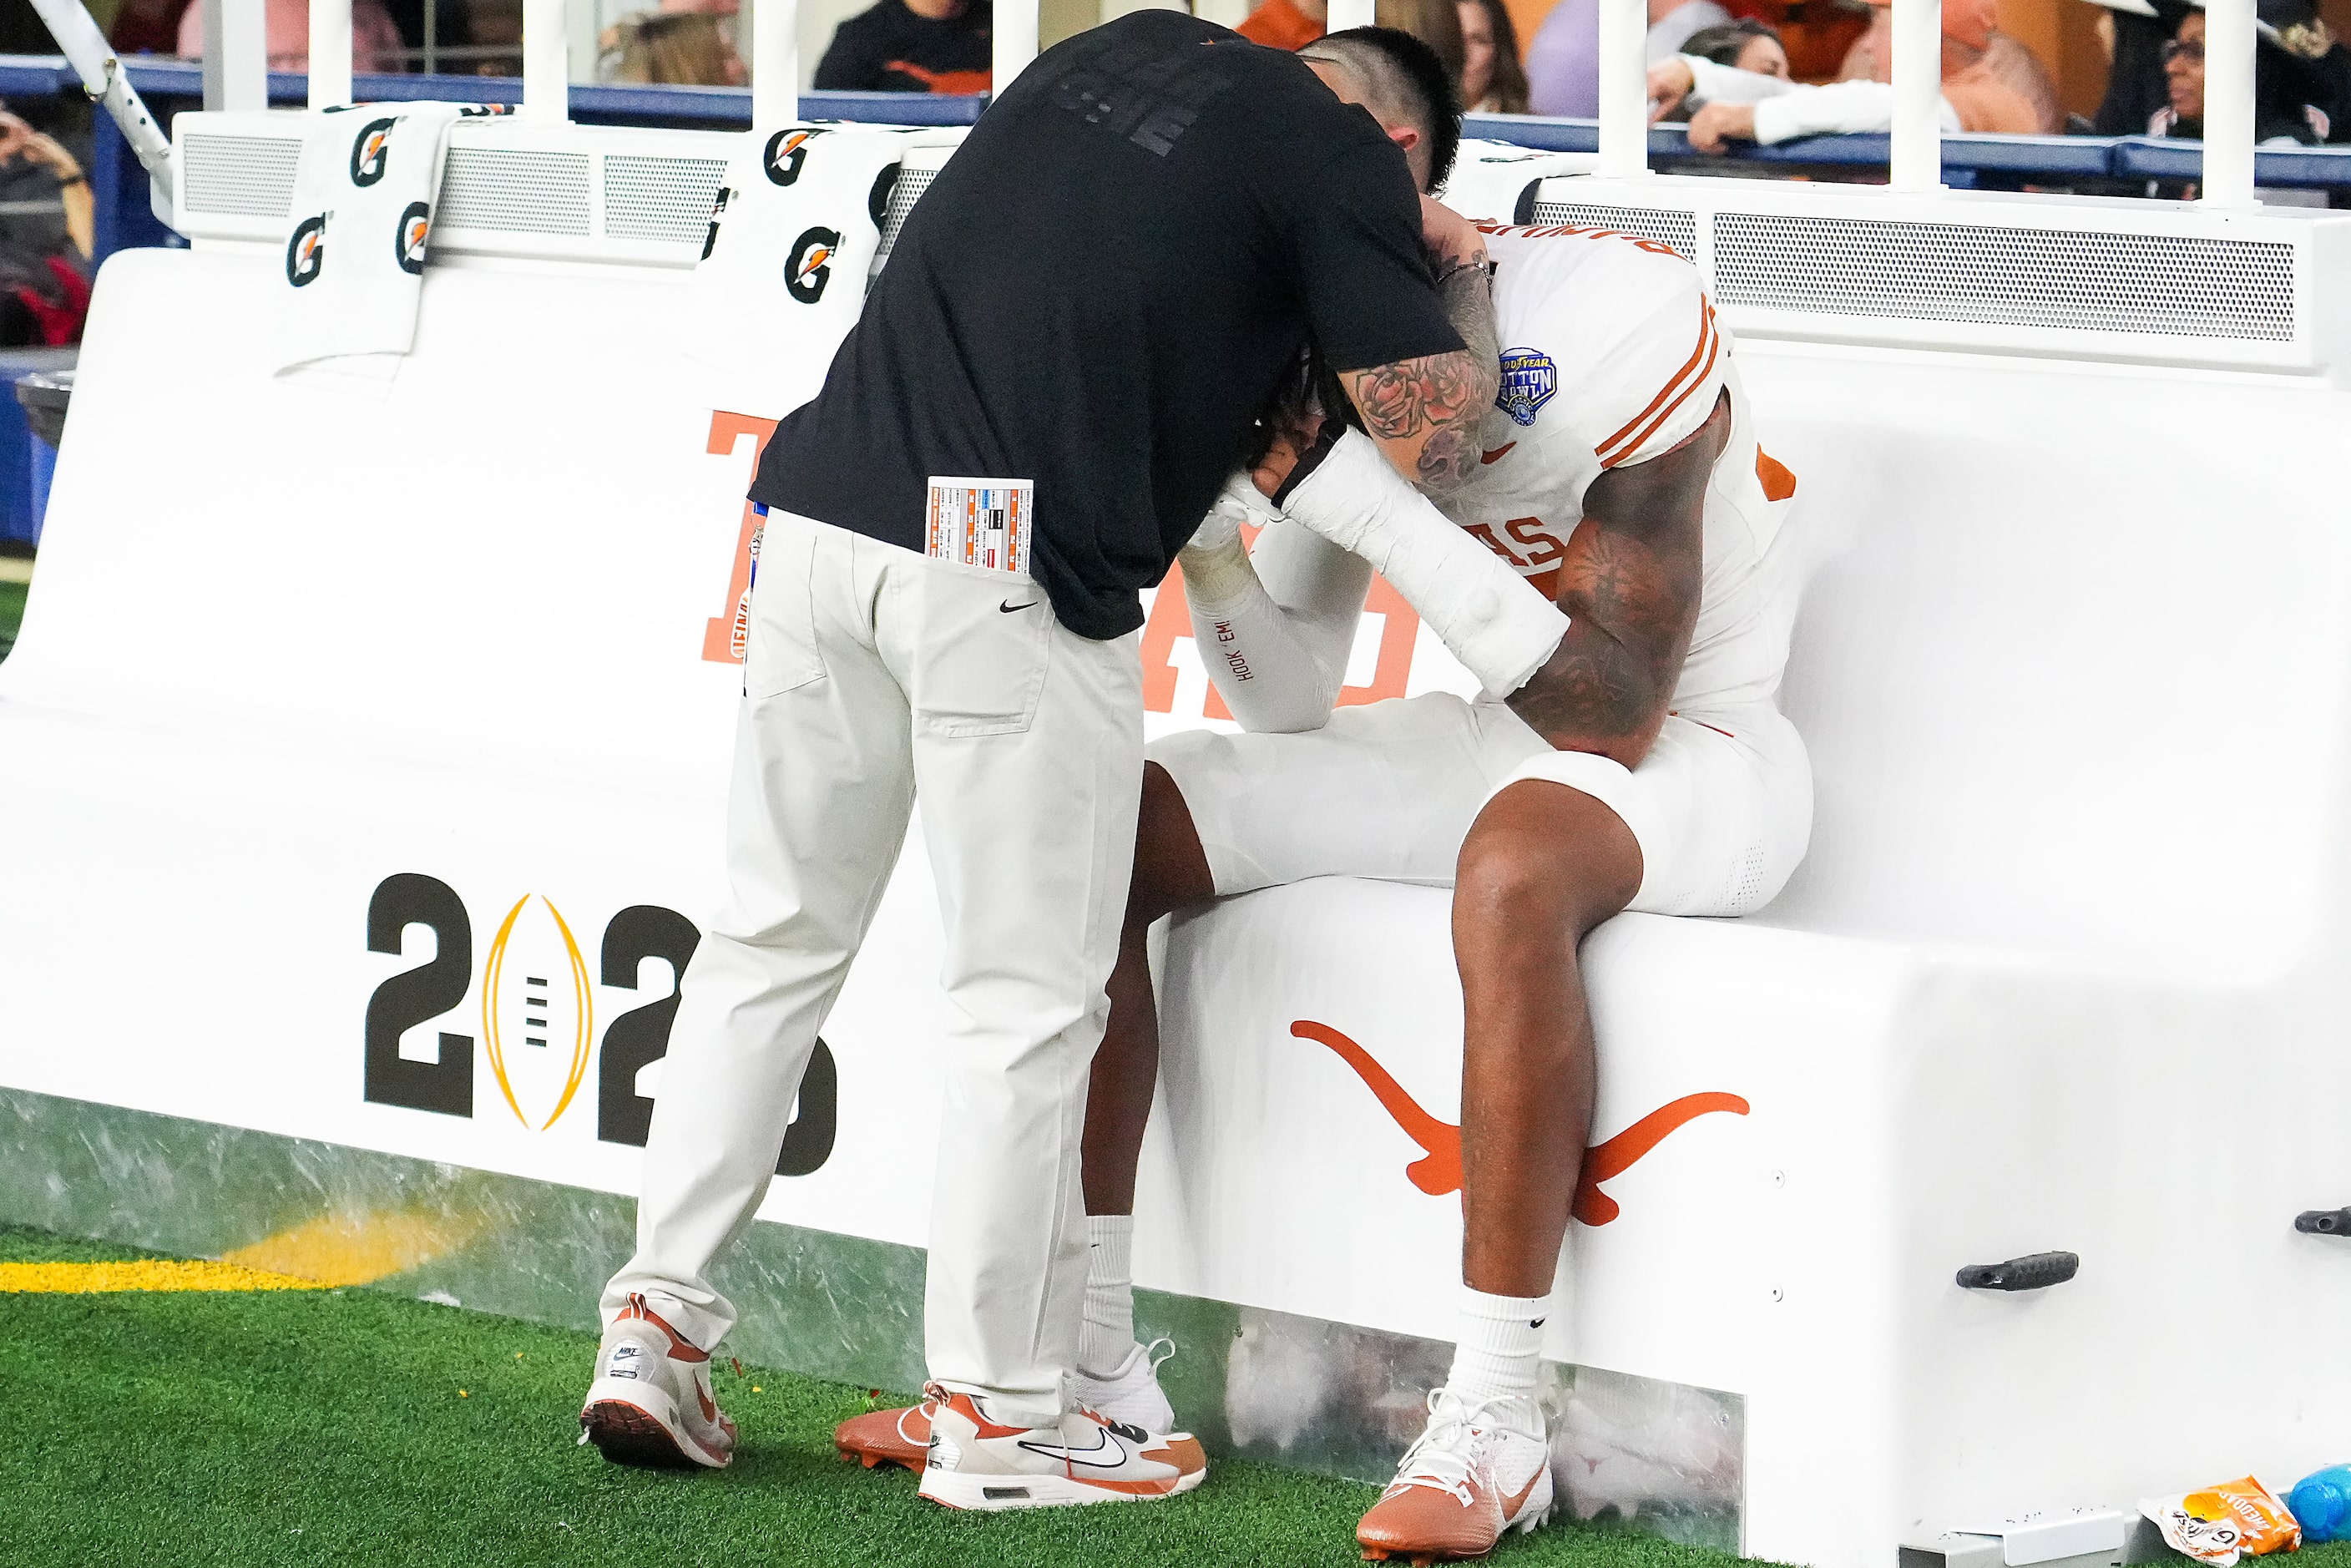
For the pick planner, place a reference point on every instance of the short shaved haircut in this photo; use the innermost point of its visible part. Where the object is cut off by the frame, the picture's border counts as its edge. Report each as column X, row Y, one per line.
column 1403, row 83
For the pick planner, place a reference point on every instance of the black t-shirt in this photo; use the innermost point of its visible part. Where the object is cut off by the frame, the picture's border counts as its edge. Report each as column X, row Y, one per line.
column 1099, row 292
column 890, row 49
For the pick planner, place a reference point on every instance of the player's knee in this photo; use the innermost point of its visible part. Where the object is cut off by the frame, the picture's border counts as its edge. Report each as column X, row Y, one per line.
column 1170, row 869
column 1541, row 862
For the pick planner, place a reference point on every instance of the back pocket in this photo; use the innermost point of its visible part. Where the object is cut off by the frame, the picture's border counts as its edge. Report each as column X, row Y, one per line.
column 983, row 640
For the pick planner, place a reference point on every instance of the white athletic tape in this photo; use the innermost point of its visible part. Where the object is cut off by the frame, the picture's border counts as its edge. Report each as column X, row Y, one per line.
column 1494, row 623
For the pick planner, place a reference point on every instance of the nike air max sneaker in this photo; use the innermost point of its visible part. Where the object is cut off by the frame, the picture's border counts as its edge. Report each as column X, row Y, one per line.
column 652, row 1403
column 1478, row 1469
column 974, row 1462
column 1130, row 1396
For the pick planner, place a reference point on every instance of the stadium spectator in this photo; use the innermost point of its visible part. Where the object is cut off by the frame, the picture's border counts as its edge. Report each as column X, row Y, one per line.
column 912, row 45
column 1493, row 76
column 683, row 48
column 147, row 28
column 44, row 294
column 1286, row 24
column 2302, row 83
column 1746, row 45
column 1294, row 24
column 1992, row 82
column 1563, row 61
column 375, row 42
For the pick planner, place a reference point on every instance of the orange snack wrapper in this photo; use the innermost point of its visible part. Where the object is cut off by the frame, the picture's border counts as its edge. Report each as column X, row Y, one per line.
column 2217, row 1524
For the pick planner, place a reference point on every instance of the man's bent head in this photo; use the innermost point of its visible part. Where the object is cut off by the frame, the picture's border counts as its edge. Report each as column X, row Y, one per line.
column 1400, row 82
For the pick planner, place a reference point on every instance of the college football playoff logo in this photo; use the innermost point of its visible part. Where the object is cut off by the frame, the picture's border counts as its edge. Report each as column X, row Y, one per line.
column 811, row 267
column 787, row 153
column 306, row 252
column 408, row 240
column 371, row 151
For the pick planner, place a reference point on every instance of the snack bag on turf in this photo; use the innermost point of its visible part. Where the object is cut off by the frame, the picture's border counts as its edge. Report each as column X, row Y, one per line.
column 2220, row 1523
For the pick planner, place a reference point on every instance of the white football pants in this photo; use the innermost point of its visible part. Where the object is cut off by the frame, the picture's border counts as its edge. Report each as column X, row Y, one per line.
column 877, row 681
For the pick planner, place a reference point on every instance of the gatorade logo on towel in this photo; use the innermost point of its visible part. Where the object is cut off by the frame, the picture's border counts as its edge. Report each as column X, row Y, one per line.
column 306, row 252
column 408, row 240
column 811, row 266
column 371, row 151
column 788, row 153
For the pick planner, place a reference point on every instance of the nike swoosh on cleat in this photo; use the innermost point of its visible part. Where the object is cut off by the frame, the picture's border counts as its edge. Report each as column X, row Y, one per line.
column 1497, row 453
column 1008, row 607
column 1510, row 1505
column 1069, row 1456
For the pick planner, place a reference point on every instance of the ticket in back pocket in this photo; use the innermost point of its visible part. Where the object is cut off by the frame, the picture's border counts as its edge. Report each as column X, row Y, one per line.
column 981, row 522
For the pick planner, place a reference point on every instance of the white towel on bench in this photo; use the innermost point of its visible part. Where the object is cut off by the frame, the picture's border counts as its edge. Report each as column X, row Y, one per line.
column 353, row 261
column 783, row 271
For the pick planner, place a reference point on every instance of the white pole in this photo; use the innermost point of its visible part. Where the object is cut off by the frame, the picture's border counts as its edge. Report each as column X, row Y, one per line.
column 1624, row 88
column 331, row 53
column 2229, row 48
column 1916, row 162
column 775, row 62
column 244, row 54
column 546, row 69
column 1347, row 14
column 1016, row 42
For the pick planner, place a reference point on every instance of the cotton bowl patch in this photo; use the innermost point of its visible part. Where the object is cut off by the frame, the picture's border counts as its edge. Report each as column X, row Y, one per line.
column 1529, row 380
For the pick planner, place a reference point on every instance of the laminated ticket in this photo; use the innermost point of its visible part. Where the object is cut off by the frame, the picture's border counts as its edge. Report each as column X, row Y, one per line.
column 981, row 522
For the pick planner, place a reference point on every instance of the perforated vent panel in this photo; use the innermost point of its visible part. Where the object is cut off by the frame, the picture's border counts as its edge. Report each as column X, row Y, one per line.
column 2164, row 284
column 517, row 192
column 911, row 184
column 250, row 176
column 1678, row 230
column 661, row 198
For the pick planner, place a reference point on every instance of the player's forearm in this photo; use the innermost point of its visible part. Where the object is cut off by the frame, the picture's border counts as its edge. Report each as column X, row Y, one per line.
column 1278, row 666
column 1599, row 693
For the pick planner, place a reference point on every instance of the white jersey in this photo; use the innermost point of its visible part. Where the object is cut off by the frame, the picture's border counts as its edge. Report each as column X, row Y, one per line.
column 1611, row 355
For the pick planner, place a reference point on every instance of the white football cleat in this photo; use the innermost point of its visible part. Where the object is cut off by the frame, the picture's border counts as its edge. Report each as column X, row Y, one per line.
column 1129, row 1398
column 652, row 1403
column 976, row 1463
column 1479, row 1470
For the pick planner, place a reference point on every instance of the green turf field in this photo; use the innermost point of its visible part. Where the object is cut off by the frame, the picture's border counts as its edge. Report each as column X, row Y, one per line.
column 313, row 1426
column 12, row 611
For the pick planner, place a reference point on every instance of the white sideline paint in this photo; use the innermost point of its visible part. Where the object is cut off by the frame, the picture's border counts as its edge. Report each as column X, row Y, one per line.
column 2064, row 971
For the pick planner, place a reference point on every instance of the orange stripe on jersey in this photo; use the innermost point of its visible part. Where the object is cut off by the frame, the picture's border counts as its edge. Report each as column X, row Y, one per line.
column 1713, row 348
column 1778, row 483
column 1704, row 338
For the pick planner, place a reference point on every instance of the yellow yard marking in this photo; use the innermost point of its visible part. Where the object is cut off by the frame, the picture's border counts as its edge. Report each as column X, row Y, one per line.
column 359, row 1249
column 145, row 1274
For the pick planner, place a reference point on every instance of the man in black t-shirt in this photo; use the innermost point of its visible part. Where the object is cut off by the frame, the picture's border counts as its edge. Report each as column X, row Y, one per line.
column 911, row 45
column 1051, row 381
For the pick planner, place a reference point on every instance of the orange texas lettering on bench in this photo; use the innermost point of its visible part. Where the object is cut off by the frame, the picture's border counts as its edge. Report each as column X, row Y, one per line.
column 1438, row 1170
column 725, row 634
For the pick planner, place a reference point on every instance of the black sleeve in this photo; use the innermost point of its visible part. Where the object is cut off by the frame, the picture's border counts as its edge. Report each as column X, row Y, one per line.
column 1362, row 272
column 850, row 63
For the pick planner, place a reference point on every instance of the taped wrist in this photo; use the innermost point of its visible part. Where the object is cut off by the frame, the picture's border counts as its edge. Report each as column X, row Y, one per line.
column 1497, row 624
column 1266, row 671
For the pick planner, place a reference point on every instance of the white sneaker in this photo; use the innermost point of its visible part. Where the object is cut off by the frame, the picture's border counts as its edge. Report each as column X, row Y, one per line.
column 1130, row 1396
column 1479, row 1471
column 652, row 1403
column 975, row 1463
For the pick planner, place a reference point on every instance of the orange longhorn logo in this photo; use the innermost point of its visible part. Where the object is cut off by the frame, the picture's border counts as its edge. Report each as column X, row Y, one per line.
column 1438, row 1170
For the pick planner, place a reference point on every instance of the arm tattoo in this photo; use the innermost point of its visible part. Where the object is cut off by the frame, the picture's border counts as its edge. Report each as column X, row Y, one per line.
column 1630, row 585
column 1436, row 400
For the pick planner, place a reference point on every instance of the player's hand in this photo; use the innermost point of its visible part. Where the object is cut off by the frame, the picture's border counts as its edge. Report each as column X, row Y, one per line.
column 1670, row 81
column 1717, row 123
column 1453, row 240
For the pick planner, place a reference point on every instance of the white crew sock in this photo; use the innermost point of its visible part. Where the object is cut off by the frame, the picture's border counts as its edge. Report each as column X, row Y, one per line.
column 1500, row 1345
column 1108, row 1337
